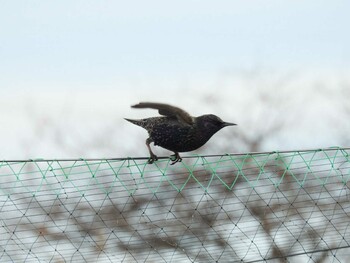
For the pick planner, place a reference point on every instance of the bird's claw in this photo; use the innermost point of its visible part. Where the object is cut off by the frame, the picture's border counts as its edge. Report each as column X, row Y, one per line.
column 175, row 158
column 152, row 159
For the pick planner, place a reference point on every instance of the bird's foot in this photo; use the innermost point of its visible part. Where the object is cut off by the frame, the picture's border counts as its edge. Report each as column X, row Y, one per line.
column 175, row 158
column 152, row 158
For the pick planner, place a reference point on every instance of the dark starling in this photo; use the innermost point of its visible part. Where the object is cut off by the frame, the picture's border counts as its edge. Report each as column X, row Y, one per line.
column 177, row 131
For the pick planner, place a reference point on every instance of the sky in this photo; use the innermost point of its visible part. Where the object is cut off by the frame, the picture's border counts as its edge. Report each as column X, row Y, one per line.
column 70, row 69
column 90, row 44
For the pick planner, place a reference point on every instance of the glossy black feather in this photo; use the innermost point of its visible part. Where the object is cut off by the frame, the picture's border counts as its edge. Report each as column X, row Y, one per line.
column 174, row 133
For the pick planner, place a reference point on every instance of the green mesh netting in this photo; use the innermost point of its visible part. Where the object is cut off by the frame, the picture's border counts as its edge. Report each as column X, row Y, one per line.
column 287, row 206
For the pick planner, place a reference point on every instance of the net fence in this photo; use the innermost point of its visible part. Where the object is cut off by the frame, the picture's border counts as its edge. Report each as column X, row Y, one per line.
column 290, row 206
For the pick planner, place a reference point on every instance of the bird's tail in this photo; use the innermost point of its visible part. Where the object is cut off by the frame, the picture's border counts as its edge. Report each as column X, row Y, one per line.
column 142, row 123
column 136, row 122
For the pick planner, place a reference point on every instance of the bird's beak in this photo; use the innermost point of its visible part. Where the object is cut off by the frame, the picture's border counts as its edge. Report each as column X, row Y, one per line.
column 224, row 124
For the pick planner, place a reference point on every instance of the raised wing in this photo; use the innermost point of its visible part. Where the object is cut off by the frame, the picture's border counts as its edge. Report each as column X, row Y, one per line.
column 167, row 110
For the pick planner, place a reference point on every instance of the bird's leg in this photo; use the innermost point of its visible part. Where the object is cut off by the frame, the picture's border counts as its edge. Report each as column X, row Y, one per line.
column 152, row 157
column 176, row 158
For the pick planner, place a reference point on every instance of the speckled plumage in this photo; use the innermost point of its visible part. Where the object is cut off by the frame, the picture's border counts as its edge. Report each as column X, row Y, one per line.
column 177, row 131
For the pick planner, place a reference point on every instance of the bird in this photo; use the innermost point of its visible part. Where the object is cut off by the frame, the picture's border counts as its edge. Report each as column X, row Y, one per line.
column 176, row 130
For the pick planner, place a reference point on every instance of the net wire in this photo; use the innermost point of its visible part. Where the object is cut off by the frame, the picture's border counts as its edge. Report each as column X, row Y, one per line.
column 290, row 206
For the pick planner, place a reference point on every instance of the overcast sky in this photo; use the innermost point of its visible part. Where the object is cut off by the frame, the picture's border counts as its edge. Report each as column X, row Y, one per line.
column 77, row 64
column 50, row 44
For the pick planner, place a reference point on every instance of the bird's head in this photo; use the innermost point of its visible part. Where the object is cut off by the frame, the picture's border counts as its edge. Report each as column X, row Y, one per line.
column 212, row 123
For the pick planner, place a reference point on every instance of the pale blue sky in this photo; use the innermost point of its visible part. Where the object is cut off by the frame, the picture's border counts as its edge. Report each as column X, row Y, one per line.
column 79, row 64
column 50, row 44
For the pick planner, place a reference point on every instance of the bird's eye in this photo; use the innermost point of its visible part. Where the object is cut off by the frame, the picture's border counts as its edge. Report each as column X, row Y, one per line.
column 210, row 124
column 215, row 120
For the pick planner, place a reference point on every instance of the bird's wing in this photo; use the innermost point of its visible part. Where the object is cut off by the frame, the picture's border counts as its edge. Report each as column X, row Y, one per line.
column 167, row 110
